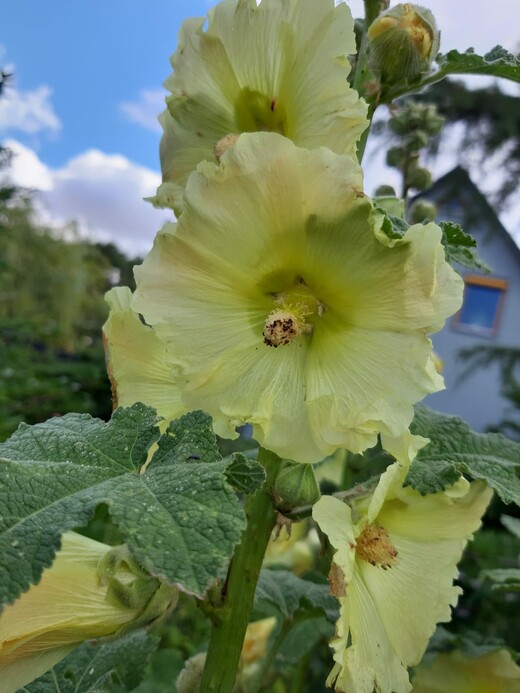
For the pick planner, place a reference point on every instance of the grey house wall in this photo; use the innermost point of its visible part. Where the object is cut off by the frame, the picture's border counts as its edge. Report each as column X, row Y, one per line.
column 476, row 398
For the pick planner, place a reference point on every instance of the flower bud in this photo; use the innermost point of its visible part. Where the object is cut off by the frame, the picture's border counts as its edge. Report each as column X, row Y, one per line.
column 296, row 486
column 422, row 210
column 403, row 42
column 396, row 157
column 76, row 600
column 385, row 191
column 418, row 177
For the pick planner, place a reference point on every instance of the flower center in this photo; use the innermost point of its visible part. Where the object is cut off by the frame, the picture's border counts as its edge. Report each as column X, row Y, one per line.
column 374, row 546
column 294, row 314
column 256, row 112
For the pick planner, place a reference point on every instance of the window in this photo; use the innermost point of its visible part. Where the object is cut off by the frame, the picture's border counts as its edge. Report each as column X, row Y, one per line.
column 480, row 312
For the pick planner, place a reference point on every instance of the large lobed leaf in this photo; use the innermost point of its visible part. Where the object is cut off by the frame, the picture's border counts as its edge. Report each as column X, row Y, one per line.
column 455, row 449
column 497, row 63
column 460, row 247
column 179, row 516
column 289, row 595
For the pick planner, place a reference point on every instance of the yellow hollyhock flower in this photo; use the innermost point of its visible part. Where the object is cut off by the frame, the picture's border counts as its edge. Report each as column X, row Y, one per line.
column 495, row 672
column 284, row 305
column 74, row 601
column 280, row 66
column 393, row 570
column 137, row 361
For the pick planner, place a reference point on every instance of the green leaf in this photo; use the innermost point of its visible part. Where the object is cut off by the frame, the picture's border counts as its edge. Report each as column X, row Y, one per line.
column 512, row 524
column 505, row 580
column 180, row 520
column 454, row 447
column 393, row 227
column 459, row 247
column 163, row 670
column 97, row 667
column 282, row 592
column 432, row 477
column 245, row 475
column 497, row 63
column 300, row 640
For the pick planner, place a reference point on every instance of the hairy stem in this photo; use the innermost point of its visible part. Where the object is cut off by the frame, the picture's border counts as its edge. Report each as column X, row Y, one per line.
column 228, row 631
column 362, row 73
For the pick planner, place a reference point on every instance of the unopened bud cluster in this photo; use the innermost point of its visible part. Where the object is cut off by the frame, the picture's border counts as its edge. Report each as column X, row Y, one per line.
column 414, row 124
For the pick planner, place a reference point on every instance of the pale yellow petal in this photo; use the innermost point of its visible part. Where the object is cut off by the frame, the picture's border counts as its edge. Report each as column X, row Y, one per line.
column 137, row 360
column 369, row 661
column 377, row 389
column 18, row 673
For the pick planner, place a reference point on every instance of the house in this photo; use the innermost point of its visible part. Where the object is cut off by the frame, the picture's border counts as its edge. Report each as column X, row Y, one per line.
column 490, row 314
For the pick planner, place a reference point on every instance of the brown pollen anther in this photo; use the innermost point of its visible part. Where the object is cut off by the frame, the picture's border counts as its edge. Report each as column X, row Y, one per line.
column 374, row 546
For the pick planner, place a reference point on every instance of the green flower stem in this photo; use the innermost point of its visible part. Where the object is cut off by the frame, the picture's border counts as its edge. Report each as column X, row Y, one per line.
column 362, row 74
column 228, row 630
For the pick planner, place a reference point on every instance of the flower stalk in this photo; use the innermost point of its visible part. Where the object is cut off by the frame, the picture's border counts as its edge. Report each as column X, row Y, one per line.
column 238, row 593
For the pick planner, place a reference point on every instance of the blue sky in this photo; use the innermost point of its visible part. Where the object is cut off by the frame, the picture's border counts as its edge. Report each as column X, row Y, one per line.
column 81, row 112
column 96, row 56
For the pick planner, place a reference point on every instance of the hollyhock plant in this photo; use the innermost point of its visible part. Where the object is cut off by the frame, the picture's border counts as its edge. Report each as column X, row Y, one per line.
column 289, row 308
column 280, row 66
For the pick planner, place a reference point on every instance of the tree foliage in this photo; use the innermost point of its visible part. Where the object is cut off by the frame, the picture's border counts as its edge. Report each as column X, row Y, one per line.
column 52, row 284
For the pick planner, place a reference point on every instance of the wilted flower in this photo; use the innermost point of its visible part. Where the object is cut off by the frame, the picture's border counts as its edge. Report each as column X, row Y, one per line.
column 90, row 591
column 393, row 570
column 283, row 304
column 137, row 361
column 495, row 672
column 281, row 66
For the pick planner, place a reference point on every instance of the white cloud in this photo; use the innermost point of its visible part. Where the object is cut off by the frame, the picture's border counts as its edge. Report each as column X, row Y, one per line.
column 28, row 111
column 145, row 110
column 103, row 193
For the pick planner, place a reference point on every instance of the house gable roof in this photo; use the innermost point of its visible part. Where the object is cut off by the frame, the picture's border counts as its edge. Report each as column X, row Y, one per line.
column 446, row 187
